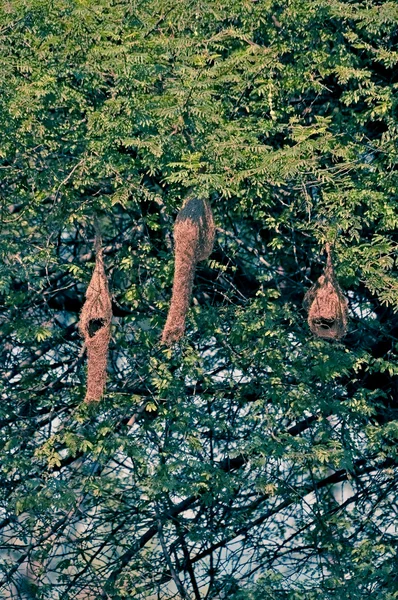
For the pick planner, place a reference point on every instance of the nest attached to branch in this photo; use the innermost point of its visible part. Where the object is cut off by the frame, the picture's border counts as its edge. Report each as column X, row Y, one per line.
column 194, row 233
column 326, row 305
column 95, row 327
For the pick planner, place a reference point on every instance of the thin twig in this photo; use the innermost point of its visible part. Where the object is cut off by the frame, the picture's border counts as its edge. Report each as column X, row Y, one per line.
column 173, row 572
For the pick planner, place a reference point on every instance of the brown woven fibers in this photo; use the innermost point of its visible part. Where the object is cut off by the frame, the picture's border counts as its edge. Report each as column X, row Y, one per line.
column 194, row 233
column 95, row 327
column 326, row 305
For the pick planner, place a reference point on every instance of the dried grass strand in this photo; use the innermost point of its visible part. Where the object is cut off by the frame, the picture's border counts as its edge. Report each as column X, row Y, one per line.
column 326, row 305
column 95, row 327
column 194, row 234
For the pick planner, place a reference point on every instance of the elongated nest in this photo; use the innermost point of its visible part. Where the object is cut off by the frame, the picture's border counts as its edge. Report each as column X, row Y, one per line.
column 194, row 233
column 95, row 327
column 326, row 305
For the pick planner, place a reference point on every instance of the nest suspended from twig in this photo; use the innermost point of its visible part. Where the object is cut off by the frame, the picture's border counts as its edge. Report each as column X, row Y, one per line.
column 326, row 305
column 194, row 233
column 95, row 327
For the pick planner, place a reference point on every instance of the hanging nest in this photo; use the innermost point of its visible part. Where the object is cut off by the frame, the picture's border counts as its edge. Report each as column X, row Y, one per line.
column 95, row 327
column 194, row 233
column 326, row 305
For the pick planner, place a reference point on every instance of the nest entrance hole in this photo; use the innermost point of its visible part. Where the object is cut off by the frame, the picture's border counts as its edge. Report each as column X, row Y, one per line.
column 324, row 323
column 94, row 325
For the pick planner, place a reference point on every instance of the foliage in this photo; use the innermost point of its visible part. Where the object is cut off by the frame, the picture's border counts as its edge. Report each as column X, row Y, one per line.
column 252, row 460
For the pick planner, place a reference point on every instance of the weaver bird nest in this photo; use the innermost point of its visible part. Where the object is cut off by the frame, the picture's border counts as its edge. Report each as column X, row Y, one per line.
column 194, row 233
column 326, row 305
column 95, row 327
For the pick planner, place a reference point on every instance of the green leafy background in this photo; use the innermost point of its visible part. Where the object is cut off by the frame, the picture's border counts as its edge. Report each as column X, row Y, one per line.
column 252, row 460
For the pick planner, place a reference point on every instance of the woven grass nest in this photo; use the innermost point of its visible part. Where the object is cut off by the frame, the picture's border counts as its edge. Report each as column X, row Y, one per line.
column 194, row 233
column 95, row 327
column 326, row 305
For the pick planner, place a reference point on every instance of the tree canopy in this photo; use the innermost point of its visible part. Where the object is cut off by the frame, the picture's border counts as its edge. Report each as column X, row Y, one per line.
column 252, row 460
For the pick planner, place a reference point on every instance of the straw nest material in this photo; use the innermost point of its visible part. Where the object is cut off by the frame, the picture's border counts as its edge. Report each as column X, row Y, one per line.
column 95, row 327
column 194, row 233
column 326, row 305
